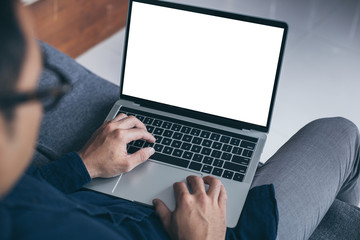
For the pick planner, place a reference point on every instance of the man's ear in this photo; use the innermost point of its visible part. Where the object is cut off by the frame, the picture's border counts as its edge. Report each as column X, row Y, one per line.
column 3, row 133
column 6, row 126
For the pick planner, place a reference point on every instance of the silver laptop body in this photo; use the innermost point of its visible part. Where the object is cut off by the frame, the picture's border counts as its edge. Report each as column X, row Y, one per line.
column 205, row 70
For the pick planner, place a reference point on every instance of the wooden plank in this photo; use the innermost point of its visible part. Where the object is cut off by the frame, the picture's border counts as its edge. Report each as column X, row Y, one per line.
column 74, row 26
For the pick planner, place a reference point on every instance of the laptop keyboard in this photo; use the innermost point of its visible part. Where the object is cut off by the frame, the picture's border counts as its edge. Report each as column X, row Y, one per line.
column 199, row 148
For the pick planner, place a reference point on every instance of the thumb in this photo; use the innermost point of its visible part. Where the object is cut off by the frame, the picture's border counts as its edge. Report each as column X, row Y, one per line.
column 141, row 156
column 164, row 213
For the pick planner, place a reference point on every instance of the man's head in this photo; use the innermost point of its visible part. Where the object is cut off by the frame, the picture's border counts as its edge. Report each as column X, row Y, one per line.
column 20, row 67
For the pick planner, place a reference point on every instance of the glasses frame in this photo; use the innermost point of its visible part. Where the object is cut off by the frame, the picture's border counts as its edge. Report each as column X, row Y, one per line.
column 8, row 101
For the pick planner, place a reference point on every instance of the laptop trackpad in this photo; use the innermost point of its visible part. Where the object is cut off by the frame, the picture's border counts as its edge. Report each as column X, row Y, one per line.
column 151, row 180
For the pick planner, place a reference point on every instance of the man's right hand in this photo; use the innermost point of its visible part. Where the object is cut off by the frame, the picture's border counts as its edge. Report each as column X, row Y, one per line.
column 105, row 154
column 200, row 215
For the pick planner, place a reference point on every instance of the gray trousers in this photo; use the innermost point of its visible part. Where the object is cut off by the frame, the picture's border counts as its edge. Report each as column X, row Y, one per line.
column 315, row 167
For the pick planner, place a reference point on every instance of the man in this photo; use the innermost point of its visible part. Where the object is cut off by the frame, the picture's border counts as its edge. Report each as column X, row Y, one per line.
column 320, row 163
column 105, row 154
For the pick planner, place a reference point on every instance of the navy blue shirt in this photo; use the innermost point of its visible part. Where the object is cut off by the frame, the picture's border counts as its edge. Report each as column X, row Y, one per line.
column 49, row 203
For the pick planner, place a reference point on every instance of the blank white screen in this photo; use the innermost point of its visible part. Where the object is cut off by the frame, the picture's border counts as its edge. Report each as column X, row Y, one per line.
column 204, row 63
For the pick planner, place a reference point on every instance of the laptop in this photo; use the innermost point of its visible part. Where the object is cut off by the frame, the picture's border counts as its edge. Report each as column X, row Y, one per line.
column 203, row 82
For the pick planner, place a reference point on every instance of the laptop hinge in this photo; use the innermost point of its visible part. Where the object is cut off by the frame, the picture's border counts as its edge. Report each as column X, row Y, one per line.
column 251, row 131
column 136, row 104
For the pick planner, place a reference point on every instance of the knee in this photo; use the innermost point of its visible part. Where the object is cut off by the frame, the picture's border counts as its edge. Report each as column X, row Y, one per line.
column 336, row 125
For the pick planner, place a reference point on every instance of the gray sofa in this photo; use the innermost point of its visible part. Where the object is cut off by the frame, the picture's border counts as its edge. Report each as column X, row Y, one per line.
column 342, row 221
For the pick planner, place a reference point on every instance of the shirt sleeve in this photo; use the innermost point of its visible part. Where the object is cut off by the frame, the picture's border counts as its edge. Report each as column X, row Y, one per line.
column 67, row 174
column 260, row 218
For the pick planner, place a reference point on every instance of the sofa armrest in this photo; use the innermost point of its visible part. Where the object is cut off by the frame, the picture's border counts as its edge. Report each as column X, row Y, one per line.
column 68, row 127
column 342, row 221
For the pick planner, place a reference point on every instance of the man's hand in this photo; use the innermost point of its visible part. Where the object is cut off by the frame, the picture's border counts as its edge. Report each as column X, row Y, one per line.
column 200, row 215
column 105, row 155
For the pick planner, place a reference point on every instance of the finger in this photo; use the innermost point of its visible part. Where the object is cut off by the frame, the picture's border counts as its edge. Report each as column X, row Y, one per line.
column 105, row 123
column 196, row 184
column 164, row 213
column 214, row 186
column 139, row 157
column 180, row 189
column 222, row 197
column 130, row 122
column 119, row 117
column 136, row 134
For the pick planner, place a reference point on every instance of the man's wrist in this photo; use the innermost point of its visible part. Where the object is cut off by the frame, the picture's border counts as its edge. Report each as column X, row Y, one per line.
column 89, row 167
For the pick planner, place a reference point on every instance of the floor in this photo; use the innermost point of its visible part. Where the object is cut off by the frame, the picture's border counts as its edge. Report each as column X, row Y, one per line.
column 320, row 75
column 73, row 27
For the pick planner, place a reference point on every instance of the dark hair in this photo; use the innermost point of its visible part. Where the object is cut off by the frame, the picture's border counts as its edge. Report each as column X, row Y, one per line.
column 12, row 49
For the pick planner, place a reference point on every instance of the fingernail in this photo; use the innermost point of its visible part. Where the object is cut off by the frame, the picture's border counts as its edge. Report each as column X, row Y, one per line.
column 151, row 151
column 154, row 202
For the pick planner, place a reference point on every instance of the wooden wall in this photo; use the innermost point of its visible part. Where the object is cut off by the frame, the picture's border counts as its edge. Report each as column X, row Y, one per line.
column 74, row 26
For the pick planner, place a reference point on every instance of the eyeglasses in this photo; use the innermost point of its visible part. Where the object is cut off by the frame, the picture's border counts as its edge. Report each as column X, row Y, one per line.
column 49, row 96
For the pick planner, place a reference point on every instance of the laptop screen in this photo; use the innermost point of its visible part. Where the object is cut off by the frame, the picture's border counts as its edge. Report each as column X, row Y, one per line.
column 210, row 64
